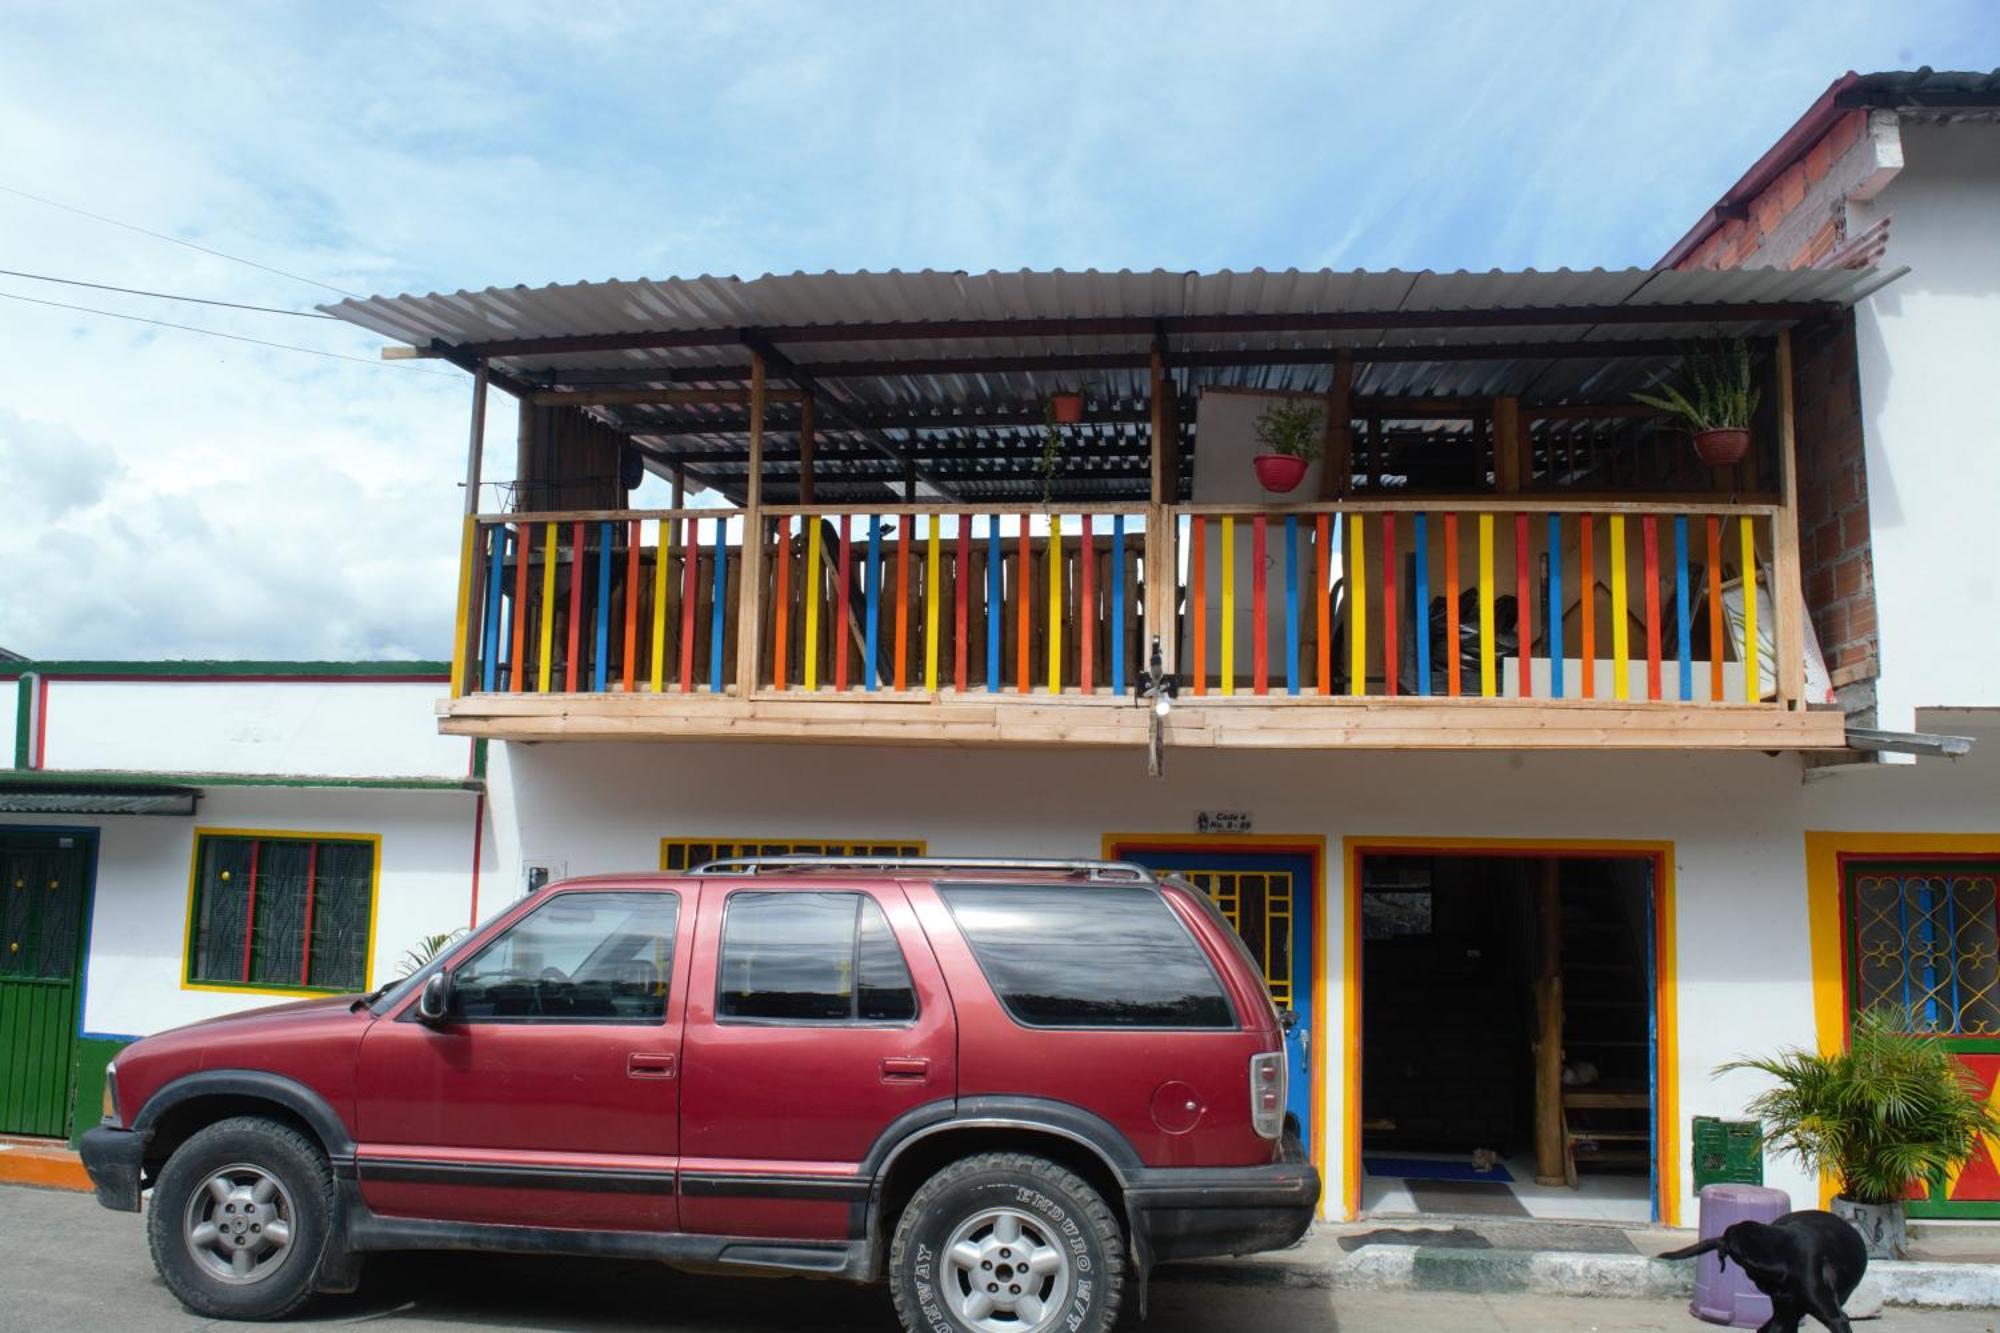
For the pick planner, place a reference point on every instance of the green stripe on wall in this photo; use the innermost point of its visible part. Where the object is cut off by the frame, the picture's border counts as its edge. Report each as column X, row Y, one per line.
column 230, row 668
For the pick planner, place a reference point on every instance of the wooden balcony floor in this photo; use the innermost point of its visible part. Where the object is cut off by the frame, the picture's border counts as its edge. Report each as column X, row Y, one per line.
column 1243, row 721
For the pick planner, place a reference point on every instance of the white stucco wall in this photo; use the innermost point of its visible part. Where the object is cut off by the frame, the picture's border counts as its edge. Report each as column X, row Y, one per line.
column 1736, row 823
column 138, row 921
column 1928, row 346
column 320, row 727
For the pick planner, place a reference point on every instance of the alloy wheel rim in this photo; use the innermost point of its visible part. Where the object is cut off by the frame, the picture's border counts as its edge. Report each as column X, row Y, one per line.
column 238, row 1225
column 1006, row 1272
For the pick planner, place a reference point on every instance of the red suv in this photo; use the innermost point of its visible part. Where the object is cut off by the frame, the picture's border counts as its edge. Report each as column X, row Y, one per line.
column 1010, row 1086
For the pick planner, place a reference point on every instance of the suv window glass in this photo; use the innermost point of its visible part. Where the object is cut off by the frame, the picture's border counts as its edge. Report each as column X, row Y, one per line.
column 811, row 958
column 578, row 958
column 1091, row 957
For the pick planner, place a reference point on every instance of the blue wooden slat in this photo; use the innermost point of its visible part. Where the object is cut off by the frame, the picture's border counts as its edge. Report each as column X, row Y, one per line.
column 603, row 606
column 1685, row 646
column 1422, row 541
column 1291, row 603
column 1118, row 604
column 1930, row 955
column 993, row 590
column 871, row 678
column 1555, row 614
column 715, row 615
column 496, row 568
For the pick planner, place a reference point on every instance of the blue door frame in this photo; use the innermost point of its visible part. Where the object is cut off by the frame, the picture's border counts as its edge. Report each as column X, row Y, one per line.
column 1301, row 868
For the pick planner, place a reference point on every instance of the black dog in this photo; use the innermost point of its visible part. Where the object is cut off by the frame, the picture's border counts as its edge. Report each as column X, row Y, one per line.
column 1808, row 1263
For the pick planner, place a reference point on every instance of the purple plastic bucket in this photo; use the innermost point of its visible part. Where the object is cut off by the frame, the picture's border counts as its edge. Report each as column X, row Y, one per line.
column 1728, row 1296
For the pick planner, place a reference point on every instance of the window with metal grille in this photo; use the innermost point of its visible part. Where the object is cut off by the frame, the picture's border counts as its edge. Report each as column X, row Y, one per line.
column 687, row 853
column 285, row 912
column 1924, row 939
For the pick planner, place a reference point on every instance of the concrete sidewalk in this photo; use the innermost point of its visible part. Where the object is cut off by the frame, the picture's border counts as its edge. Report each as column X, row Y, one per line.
column 1956, row 1268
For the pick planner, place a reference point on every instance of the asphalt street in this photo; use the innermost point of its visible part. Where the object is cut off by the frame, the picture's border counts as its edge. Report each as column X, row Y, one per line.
column 66, row 1264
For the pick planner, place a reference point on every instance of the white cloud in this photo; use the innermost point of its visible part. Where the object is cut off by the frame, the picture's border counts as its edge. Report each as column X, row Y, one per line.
column 170, row 494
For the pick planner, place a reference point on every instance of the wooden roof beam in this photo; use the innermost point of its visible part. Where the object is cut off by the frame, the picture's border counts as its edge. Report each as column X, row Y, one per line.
column 835, row 409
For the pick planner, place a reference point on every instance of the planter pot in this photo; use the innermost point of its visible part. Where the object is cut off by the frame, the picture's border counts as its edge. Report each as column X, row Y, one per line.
column 1066, row 408
column 1883, row 1226
column 1722, row 448
column 1279, row 472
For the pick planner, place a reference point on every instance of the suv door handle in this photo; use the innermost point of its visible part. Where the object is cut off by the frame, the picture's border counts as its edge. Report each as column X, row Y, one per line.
column 650, row 1064
column 906, row 1069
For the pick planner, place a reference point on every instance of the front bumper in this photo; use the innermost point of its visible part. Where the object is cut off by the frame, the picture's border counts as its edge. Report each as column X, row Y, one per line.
column 1198, row 1212
column 114, row 1158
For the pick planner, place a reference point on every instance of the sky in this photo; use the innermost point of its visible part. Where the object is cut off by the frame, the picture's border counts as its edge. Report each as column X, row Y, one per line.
column 165, row 494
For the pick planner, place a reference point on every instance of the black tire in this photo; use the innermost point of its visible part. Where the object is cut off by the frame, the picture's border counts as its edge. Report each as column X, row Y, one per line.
column 1074, row 1215
column 298, row 1166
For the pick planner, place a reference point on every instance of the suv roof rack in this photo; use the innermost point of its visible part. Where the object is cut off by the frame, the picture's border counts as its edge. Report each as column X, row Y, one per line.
column 1120, row 871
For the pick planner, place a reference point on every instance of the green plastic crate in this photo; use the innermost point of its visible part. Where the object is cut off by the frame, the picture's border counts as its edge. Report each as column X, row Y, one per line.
column 1727, row 1152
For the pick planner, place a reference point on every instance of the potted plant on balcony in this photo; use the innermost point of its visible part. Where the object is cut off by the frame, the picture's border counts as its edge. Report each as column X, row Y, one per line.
column 1291, row 435
column 1066, row 407
column 1716, row 396
column 1891, row 1113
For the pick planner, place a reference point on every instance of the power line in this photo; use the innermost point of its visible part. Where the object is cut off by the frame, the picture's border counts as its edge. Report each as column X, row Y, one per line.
column 162, row 236
column 164, row 296
column 217, row 333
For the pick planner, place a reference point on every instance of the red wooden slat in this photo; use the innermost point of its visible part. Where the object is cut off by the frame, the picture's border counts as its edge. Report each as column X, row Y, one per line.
column 839, row 635
column 1086, row 607
column 1714, row 607
column 1321, row 613
column 690, row 551
column 781, row 629
column 1453, row 666
column 576, row 547
column 1024, row 588
column 903, row 601
column 517, row 675
column 1260, row 630
column 250, row 907
column 1650, row 526
column 631, row 603
column 961, row 583
column 1390, row 658
column 1524, row 621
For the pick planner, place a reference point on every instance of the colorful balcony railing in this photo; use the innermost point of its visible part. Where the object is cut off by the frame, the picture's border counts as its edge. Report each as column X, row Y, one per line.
column 597, row 601
column 1528, row 599
column 932, row 599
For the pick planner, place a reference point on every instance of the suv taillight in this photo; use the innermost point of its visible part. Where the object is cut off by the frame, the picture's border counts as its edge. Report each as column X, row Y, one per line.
column 1267, row 1093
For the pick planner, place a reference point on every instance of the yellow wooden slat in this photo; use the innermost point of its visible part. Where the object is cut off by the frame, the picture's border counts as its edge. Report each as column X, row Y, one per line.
column 1055, row 558
column 931, row 603
column 1228, row 604
column 1753, row 687
column 661, row 548
column 1621, row 629
column 460, row 659
column 812, row 593
column 546, row 660
column 1487, row 683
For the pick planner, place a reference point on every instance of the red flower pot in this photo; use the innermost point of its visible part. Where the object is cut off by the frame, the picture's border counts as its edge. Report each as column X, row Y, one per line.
column 1066, row 408
column 1724, row 447
column 1279, row 472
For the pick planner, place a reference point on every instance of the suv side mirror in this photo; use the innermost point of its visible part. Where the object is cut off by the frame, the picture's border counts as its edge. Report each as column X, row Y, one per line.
column 434, row 1001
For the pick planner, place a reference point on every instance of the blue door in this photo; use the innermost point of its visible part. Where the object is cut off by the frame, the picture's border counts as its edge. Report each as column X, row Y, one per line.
column 1268, row 897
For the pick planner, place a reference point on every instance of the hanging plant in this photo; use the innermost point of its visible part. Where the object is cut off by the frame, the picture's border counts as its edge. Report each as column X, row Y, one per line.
column 1292, row 436
column 1714, row 394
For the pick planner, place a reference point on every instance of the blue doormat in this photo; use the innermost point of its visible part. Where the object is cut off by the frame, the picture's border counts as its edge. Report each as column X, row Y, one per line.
column 1418, row 1168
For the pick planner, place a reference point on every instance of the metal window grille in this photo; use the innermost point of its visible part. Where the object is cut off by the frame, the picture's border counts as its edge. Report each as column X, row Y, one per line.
column 1259, row 904
column 1925, row 940
column 281, row 913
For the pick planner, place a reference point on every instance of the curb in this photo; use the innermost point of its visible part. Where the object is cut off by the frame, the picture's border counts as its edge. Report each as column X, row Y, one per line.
column 43, row 1164
column 1935, row 1286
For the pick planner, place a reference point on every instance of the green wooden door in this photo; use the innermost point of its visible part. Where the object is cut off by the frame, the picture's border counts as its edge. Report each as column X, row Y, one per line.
column 44, row 881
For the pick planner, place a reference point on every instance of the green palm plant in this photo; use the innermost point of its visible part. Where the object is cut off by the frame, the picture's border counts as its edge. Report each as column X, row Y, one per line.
column 429, row 947
column 1893, row 1110
column 1716, row 390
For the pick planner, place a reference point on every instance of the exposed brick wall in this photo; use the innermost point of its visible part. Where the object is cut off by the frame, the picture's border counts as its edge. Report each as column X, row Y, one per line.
column 1739, row 242
column 1834, row 554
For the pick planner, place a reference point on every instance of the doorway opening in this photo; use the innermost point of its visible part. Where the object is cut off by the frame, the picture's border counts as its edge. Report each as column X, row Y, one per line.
column 1509, row 1033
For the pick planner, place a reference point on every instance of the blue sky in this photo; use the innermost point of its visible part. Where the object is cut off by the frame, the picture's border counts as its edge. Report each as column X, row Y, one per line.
column 174, row 495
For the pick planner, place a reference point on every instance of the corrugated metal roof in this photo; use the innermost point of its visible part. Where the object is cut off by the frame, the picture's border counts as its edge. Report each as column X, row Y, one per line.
column 1106, row 453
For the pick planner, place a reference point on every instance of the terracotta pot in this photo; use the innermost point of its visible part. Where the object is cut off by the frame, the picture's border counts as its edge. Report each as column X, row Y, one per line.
column 1279, row 472
column 1724, row 447
column 1883, row 1226
column 1066, row 408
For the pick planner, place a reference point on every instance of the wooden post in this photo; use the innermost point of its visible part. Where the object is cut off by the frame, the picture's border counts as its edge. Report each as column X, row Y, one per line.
column 465, row 648
column 680, row 486
column 750, row 569
column 1549, row 1154
column 478, row 444
column 1161, row 563
column 1787, row 594
column 1336, row 474
column 806, row 451
column 1509, row 447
